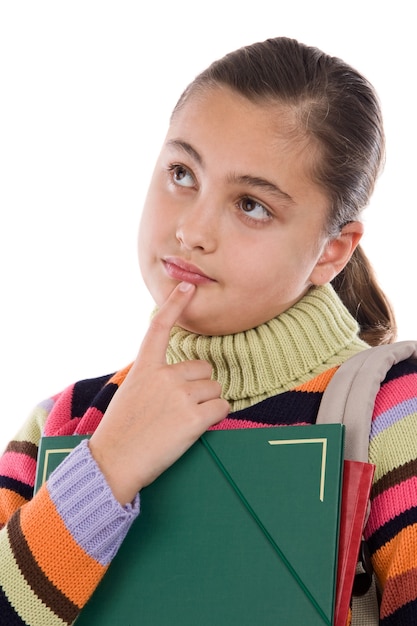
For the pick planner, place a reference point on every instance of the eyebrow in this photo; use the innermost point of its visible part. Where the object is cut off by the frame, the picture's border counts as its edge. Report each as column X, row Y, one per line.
column 244, row 179
column 260, row 183
column 186, row 147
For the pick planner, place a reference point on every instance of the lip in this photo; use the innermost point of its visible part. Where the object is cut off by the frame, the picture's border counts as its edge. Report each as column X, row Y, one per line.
column 181, row 270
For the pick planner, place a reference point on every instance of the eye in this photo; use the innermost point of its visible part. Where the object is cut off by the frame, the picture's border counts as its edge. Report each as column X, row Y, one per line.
column 181, row 176
column 255, row 210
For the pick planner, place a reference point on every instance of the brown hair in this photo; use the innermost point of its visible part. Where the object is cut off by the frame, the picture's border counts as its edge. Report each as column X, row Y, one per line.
column 339, row 110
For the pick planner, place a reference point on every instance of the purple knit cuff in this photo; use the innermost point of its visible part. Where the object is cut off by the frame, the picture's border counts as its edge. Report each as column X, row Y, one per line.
column 84, row 500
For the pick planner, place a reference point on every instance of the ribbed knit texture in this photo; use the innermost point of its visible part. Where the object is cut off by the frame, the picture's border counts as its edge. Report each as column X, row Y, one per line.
column 54, row 547
column 82, row 497
column 314, row 335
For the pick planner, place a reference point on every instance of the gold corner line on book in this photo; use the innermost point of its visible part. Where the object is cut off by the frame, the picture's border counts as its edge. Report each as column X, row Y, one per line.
column 48, row 453
column 323, row 442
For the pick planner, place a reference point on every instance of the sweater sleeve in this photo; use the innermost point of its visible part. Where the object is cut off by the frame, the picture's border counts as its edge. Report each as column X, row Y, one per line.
column 391, row 531
column 56, row 546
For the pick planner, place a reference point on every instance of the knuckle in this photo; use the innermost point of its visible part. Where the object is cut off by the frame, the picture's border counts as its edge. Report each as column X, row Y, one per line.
column 218, row 387
column 206, row 368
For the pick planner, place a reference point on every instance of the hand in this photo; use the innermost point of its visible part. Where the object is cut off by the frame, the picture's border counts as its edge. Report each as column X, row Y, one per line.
column 159, row 411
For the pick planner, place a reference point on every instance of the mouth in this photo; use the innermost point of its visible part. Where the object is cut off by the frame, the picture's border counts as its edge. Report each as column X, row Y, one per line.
column 178, row 269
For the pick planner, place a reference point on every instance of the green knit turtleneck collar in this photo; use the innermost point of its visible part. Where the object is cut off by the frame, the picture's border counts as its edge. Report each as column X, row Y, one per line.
column 313, row 335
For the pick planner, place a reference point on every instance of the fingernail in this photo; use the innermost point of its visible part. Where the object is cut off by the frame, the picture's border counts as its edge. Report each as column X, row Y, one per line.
column 185, row 286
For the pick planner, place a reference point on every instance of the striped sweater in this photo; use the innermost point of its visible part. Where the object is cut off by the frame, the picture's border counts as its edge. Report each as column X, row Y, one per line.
column 56, row 546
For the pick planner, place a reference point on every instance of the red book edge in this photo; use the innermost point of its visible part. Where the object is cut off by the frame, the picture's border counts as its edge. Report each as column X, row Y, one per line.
column 356, row 488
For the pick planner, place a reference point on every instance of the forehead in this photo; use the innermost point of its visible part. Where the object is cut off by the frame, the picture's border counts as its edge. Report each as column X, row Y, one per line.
column 210, row 104
column 264, row 137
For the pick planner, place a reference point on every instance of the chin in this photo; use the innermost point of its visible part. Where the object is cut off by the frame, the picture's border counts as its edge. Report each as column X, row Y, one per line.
column 207, row 328
column 197, row 329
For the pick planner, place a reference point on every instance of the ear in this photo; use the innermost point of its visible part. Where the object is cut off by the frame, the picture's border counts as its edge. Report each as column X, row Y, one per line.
column 336, row 253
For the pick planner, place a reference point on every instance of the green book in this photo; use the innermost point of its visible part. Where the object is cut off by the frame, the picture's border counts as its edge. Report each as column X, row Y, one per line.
column 242, row 530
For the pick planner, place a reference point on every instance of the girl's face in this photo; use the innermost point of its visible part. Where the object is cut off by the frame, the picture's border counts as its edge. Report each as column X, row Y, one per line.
column 232, row 209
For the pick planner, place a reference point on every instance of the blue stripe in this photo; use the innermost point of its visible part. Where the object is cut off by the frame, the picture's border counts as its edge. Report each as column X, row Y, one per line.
column 392, row 416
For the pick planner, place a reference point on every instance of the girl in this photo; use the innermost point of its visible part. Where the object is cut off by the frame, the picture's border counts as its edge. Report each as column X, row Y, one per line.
column 249, row 245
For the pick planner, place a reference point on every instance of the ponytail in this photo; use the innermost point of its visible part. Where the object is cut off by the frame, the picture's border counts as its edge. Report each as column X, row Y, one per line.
column 359, row 291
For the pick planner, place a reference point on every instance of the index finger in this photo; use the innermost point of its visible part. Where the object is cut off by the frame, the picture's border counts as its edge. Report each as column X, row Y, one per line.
column 155, row 341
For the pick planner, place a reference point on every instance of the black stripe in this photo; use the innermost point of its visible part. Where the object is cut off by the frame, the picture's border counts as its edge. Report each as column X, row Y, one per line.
column 392, row 528
column 403, row 368
column 52, row 597
column 8, row 615
column 407, row 614
column 102, row 400
column 289, row 407
column 85, row 392
column 22, row 489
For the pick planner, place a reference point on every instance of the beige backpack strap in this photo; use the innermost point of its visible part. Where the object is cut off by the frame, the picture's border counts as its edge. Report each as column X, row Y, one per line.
column 349, row 399
column 350, row 396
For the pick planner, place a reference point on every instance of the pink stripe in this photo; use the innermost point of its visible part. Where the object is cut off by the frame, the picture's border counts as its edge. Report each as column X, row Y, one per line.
column 60, row 413
column 89, row 422
column 19, row 467
column 395, row 391
column 391, row 503
column 68, row 428
column 230, row 424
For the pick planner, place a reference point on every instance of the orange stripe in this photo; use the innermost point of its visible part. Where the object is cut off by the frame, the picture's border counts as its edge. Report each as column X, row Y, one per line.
column 119, row 377
column 10, row 501
column 80, row 575
column 41, row 587
column 398, row 556
column 349, row 617
column 318, row 383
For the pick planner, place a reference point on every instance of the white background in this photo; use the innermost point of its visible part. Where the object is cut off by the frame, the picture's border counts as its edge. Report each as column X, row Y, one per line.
column 86, row 89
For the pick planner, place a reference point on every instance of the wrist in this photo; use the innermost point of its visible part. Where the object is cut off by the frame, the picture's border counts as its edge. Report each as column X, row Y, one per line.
column 115, row 471
column 86, row 504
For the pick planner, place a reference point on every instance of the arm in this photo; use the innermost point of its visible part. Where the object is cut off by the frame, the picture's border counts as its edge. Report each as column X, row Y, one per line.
column 391, row 531
column 54, row 549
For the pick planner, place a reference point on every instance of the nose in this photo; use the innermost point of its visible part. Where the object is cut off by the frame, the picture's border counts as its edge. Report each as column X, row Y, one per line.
column 197, row 228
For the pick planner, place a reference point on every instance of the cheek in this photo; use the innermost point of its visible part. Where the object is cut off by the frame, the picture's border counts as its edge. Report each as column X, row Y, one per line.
column 151, row 225
column 143, row 240
column 259, row 262
column 147, row 241
column 274, row 272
